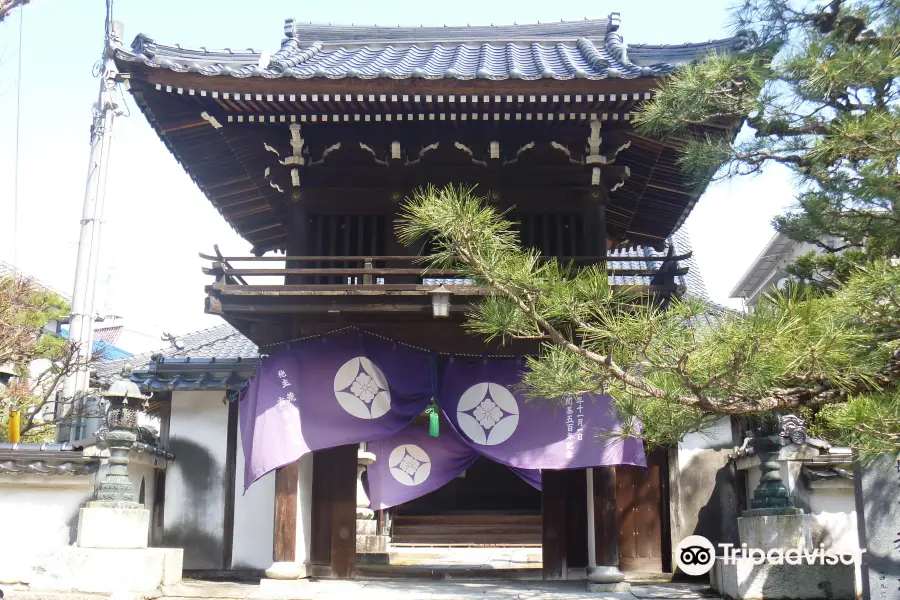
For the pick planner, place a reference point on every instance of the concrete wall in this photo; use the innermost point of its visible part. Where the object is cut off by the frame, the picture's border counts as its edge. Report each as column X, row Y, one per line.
column 42, row 510
column 704, row 496
column 194, row 514
column 254, row 518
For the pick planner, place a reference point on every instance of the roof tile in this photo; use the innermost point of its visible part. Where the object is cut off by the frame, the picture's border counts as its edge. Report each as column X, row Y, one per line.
column 589, row 49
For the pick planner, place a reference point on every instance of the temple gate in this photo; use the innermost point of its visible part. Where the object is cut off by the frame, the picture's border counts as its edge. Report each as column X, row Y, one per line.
column 308, row 151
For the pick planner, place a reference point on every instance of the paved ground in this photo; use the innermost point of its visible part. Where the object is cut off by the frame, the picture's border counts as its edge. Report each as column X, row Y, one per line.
column 402, row 589
column 427, row 573
column 446, row 589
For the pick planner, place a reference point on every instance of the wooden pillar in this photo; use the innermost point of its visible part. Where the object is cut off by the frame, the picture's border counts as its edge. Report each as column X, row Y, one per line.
column 333, row 547
column 231, row 451
column 286, row 481
column 595, row 222
column 601, row 229
column 553, row 525
column 298, row 243
column 605, row 518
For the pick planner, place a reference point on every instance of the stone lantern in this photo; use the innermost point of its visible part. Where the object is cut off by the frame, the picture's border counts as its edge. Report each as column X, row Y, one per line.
column 773, row 522
column 113, row 519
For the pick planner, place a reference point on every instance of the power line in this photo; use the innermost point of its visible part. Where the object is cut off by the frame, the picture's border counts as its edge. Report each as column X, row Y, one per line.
column 15, row 235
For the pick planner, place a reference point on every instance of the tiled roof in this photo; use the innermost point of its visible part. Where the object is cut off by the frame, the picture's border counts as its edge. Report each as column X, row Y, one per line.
column 44, row 459
column 680, row 243
column 220, row 342
column 589, row 49
column 109, row 335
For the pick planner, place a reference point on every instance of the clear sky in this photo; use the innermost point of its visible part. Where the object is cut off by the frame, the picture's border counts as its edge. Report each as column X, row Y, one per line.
column 156, row 219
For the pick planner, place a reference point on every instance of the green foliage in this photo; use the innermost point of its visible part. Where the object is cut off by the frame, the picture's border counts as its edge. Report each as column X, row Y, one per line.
column 819, row 92
column 677, row 367
column 25, row 310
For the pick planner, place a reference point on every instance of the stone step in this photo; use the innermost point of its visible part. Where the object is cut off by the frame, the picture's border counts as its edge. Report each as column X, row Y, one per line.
column 468, row 529
column 371, row 544
column 366, row 527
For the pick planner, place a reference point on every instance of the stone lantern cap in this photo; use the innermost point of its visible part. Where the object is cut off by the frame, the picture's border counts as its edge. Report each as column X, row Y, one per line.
column 124, row 388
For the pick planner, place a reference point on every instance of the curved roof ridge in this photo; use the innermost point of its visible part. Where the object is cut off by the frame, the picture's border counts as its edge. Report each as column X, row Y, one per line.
column 587, row 49
column 370, row 34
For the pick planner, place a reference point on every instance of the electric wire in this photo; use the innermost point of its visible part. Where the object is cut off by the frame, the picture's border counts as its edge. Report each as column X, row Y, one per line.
column 15, row 236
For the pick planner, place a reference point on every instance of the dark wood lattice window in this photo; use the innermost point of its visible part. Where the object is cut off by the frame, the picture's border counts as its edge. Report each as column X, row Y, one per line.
column 553, row 234
column 345, row 235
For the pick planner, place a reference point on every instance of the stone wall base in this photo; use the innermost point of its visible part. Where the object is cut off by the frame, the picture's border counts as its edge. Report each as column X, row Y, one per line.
column 367, row 539
column 103, row 527
column 90, row 570
column 743, row 580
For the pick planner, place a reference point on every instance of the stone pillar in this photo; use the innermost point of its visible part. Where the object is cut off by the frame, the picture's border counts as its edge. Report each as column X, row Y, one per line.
column 364, row 459
column 369, row 542
column 878, row 513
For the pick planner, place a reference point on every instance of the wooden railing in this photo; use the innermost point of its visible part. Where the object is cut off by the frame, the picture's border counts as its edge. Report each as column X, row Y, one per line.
column 392, row 271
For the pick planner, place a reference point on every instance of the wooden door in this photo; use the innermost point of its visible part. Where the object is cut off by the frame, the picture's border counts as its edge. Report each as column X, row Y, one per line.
column 640, row 510
column 333, row 536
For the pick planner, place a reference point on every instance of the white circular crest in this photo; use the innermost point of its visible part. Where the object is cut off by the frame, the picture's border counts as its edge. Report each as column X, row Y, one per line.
column 362, row 389
column 488, row 413
column 409, row 464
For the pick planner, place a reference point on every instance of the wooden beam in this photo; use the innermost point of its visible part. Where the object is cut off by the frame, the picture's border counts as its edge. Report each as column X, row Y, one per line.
column 333, row 543
column 606, row 520
column 230, row 483
column 343, row 513
column 553, row 525
column 670, row 189
column 286, row 480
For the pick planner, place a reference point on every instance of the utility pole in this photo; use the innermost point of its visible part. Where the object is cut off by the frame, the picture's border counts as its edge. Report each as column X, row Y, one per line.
column 81, row 323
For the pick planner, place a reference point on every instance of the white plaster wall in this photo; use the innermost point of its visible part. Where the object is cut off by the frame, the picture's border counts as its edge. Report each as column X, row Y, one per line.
column 254, row 518
column 833, row 509
column 703, row 498
column 42, row 510
column 304, row 508
column 194, row 514
column 718, row 435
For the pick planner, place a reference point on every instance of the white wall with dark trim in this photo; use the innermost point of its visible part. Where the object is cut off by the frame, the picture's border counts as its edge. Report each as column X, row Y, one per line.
column 194, row 513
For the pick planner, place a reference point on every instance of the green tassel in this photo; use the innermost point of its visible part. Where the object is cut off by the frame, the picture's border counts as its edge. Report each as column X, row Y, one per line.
column 434, row 422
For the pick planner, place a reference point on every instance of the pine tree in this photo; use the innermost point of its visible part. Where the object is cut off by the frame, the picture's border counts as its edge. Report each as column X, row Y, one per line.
column 817, row 91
